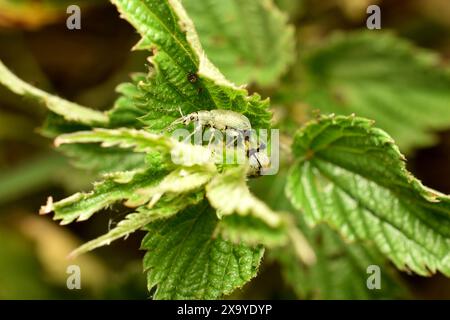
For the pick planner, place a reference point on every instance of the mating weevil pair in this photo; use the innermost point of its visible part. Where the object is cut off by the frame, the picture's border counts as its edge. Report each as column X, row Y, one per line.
column 234, row 124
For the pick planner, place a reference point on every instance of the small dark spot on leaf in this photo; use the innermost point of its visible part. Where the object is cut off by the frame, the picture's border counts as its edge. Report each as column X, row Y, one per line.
column 192, row 77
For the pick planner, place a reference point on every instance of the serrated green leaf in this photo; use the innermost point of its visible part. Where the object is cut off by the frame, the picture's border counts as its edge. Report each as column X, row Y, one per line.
column 144, row 142
column 116, row 187
column 91, row 157
column 127, row 111
column 100, row 160
column 340, row 268
column 229, row 193
column 340, row 271
column 352, row 176
column 381, row 77
column 137, row 187
column 164, row 208
column 179, row 181
column 69, row 110
column 219, row 267
column 139, row 140
column 181, row 77
column 249, row 41
column 248, row 219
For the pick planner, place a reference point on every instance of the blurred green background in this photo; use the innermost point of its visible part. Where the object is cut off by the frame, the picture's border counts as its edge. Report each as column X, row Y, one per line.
column 85, row 66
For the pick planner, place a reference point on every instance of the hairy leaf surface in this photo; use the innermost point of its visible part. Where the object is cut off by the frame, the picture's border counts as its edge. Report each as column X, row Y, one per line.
column 181, row 76
column 219, row 266
column 353, row 176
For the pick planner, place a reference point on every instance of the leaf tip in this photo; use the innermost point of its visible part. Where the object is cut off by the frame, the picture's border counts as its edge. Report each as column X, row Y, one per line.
column 48, row 207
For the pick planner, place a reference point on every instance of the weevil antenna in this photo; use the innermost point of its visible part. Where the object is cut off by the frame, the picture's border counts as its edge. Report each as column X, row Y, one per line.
column 181, row 111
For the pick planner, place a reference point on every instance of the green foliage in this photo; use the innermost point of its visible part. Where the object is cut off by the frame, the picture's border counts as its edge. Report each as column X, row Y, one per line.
column 340, row 268
column 219, row 266
column 181, row 76
column 164, row 208
column 340, row 271
column 353, row 176
column 382, row 77
column 205, row 230
column 249, row 41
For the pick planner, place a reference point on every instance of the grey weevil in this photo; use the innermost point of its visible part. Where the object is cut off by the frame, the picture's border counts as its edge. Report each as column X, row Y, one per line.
column 258, row 161
column 218, row 119
column 235, row 124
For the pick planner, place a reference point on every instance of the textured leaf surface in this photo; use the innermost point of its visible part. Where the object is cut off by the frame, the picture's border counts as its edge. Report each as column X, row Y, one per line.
column 141, row 141
column 229, row 194
column 352, row 176
column 101, row 160
column 181, row 76
column 219, row 267
column 138, row 187
column 69, row 110
column 167, row 206
column 247, row 218
column 381, row 77
column 249, row 41
column 340, row 271
column 118, row 187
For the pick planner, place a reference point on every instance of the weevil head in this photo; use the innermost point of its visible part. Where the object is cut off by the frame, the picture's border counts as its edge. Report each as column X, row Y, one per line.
column 190, row 118
column 258, row 160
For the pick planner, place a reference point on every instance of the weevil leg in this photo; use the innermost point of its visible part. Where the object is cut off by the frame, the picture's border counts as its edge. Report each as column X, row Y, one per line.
column 197, row 128
column 233, row 142
column 236, row 135
column 211, row 130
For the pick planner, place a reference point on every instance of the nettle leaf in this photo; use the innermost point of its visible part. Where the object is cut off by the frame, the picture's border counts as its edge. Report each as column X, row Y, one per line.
column 340, row 271
column 103, row 160
column 127, row 110
column 164, row 208
column 140, row 186
column 381, row 77
column 229, row 193
column 218, row 266
column 91, row 157
column 340, row 268
column 249, row 41
column 117, row 187
column 181, row 76
column 141, row 141
column 69, row 110
column 352, row 176
column 246, row 218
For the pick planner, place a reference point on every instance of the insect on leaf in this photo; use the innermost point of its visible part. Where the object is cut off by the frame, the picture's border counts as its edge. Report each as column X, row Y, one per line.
column 181, row 76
